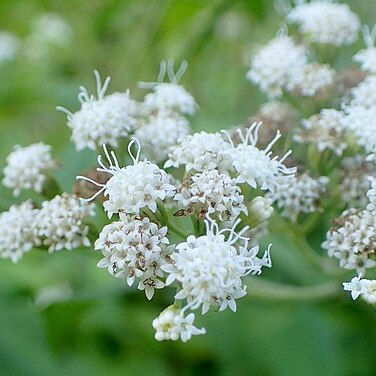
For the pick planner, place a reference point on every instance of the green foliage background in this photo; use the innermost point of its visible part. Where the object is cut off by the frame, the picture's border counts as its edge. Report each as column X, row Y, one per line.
column 97, row 326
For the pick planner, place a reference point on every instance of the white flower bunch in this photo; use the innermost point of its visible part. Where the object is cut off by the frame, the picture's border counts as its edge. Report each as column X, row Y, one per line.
column 325, row 130
column 28, row 167
column 326, row 22
column 367, row 57
column 365, row 288
column 61, row 222
column 18, row 233
column 298, row 194
column 135, row 248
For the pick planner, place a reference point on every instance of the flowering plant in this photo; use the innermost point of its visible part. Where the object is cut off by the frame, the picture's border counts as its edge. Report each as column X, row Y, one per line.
column 185, row 211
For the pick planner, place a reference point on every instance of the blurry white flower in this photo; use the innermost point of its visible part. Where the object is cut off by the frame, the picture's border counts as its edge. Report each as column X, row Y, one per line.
column 172, row 325
column 18, row 233
column 310, row 79
column 169, row 96
column 213, row 193
column 298, row 194
column 365, row 288
column 361, row 122
column 210, row 268
column 101, row 120
column 199, row 152
column 367, row 57
column 355, row 182
column 61, row 222
column 353, row 240
column 135, row 249
column 9, row 45
column 326, row 22
column 260, row 209
column 161, row 133
column 371, row 195
column 255, row 166
column 325, row 130
column 273, row 67
column 27, row 167
column 134, row 187
column 364, row 94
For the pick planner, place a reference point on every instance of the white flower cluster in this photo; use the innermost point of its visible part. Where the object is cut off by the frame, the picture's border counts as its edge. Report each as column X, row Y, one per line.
column 61, row 222
column 371, row 195
column 355, row 181
column 365, row 288
column 160, row 133
column 367, row 57
column 309, row 80
column 18, row 232
column 210, row 268
column 158, row 122
column 210, row 192
column 135, row 248
column 58, row 224
column 255, row 166
column 199, row 152
column 352, row 241
column 172, row 325
column 27, row 167
column 132, row 188
column 9, row 45
column 326, row 130
column 273, row 67
column 326, row 22
column 298, row 194
column 364, row 94
column 101, row 120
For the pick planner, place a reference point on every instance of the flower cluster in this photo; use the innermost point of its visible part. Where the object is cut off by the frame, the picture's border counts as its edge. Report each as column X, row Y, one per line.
column 27, row 168
column 325, row 22
column 135, row 248
column 300, row 194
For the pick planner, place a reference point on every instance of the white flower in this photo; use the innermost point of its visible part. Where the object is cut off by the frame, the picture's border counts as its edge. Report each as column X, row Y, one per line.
column 61, row 222
column 298, row 194
column 260, row 209
column 275, row 64
column 18, row 232
column 371, row 195
column 255, row 166
column 135, row 248
column 51, row 28
column 211, row 192
column 353, row 240
column 364, row 94
column 365, row 288
column 169, row 96
column 367, row 59
column 312, row 78
column 210, row 268
column 27, row 167
column 278, row 112
column 161, row 133
column 199, row 152
column 326, row 22
column 132, row 188
column 172, row 325
column 101, row 120
column 325, row 130
column 361, row 122
column 367, row 56
column 355, row 180
column 9, row 44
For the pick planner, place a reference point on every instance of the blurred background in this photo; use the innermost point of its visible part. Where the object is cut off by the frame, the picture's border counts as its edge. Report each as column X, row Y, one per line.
column 59, row 314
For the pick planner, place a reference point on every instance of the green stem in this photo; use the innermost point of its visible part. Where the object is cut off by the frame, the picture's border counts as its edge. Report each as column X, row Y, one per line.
column 51, row 188
column 310, row 223
column 177, row 230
